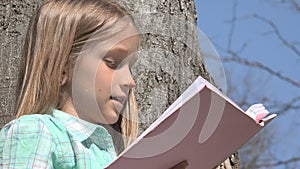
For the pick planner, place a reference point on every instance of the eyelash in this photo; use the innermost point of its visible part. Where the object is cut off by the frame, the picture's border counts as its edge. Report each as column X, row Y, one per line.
column 112, row 63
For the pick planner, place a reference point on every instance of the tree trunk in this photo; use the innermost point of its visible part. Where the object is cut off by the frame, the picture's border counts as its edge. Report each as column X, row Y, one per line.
column 169, row 59
column 14, row 18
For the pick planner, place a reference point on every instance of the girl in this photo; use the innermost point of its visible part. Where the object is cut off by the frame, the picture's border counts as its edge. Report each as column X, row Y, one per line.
column 75, row 105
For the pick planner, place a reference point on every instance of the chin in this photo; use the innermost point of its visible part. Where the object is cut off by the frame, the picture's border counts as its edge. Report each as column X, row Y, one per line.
column 112, row 118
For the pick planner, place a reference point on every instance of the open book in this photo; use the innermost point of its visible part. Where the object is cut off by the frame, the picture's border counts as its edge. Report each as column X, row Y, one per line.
column 202, row 126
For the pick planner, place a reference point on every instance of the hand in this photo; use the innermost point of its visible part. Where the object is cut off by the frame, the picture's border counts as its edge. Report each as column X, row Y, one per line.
column 181, row 165
column 257, row 112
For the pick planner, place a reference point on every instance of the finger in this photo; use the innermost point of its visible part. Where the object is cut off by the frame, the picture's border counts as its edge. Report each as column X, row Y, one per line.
column 256, row 106
column 260, row 115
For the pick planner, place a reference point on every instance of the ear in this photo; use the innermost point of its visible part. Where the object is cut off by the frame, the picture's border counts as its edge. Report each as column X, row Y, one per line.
column 64, row 78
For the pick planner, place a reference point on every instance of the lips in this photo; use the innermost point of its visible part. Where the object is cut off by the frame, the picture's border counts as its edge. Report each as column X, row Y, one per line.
column 120, row 99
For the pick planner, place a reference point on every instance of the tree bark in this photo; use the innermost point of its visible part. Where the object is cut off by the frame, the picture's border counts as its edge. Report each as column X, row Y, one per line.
column 168, row 62
column 14, row 18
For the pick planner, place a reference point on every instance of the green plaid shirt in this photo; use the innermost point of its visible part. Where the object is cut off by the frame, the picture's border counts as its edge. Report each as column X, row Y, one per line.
column 58, row 141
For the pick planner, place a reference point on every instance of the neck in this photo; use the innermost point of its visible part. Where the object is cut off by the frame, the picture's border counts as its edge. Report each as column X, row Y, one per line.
column 68, row 107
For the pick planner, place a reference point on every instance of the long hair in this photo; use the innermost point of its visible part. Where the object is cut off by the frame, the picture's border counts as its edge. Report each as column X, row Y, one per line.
column 55, row 36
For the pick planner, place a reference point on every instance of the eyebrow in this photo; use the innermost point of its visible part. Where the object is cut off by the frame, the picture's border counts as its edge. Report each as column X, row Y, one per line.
column 118, row 52
column 119, row 49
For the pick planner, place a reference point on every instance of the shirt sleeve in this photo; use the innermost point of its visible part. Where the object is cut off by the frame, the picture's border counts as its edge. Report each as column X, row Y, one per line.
column 26, row 143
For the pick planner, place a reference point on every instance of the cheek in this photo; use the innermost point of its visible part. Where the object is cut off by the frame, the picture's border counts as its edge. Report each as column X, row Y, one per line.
column 100, row 83
column 104, row 79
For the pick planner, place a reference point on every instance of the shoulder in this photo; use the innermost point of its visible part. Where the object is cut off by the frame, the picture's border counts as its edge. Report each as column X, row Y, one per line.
column 26, row 125
column 27, row 141
column 29, row 133
column 34, row 124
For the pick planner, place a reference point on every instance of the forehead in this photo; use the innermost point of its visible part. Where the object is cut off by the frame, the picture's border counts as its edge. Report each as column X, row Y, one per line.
column 126, row 41
column 127, row 48
column 127, row 45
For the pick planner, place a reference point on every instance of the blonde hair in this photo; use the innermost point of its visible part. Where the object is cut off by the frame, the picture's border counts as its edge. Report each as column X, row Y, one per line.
column 55, row 36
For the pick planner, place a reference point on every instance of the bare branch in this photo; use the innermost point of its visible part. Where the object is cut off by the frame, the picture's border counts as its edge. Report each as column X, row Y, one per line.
column 240, row 60
column 278, row 163
column 296, row 5
column 243, row 99
column 284, row 107
column 232, row 28
column 278, row 34
column 265, row 157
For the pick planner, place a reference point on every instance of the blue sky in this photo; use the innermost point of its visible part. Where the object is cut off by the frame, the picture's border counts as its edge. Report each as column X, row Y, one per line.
column 262, row 46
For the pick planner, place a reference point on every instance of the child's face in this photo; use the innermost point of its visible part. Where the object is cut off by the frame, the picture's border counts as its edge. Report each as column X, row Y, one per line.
column 103, row 79
column 114, row 79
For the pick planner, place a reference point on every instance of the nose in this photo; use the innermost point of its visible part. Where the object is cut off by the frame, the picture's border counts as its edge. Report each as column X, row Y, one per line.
column 127, row 80
column 131, row 83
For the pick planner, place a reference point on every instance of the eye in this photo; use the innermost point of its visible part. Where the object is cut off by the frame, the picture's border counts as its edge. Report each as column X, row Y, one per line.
column 111, row 63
